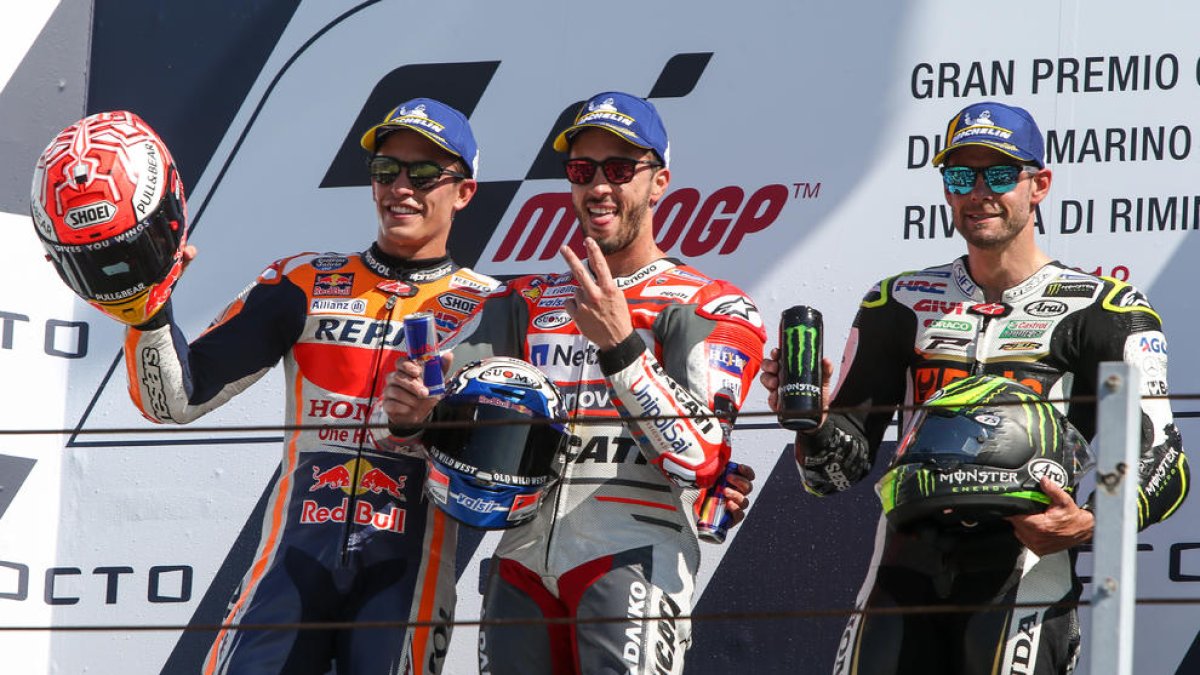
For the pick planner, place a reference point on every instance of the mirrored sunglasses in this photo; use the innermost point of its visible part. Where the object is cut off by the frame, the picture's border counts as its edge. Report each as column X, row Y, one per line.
column 422, row 174
column 618, row 170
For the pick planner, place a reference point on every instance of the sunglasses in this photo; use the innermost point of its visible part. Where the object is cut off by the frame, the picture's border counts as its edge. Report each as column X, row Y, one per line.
column 618, row 170
column 1000, row 179
column 422, row 174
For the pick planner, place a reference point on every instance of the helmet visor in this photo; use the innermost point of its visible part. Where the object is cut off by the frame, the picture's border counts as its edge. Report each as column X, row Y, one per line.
column 939, row 437
column 120, row 267
column 497, row 440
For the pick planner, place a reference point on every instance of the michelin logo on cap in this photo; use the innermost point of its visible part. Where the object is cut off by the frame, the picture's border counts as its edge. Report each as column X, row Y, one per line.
column 633, row 119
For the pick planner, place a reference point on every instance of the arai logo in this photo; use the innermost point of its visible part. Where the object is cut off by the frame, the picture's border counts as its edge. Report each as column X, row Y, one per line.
column 1050, row 469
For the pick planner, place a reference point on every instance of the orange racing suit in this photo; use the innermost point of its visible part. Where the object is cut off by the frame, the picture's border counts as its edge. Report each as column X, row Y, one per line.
column 336, row 322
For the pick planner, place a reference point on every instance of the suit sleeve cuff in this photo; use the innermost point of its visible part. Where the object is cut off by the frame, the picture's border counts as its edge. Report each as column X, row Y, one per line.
column 622, row 355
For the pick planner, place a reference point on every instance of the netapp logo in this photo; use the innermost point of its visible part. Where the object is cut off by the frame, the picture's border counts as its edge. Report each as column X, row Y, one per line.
column 564, row 355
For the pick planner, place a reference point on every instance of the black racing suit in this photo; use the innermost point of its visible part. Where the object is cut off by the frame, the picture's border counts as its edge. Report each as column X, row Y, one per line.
column 335, row 321
column 616, row 535
column 915, row 333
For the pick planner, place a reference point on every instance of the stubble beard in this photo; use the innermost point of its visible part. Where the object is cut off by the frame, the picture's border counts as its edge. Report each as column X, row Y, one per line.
column 626, row 233
column 1011, row 227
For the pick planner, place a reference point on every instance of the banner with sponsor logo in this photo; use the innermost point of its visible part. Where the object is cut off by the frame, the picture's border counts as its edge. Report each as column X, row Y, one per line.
column 802, row 136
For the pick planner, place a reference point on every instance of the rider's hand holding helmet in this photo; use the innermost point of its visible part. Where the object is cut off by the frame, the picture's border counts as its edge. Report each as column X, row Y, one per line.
column 108, row 206
column 976, row 453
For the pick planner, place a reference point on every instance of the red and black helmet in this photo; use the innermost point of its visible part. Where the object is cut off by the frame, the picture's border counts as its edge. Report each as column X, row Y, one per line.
column 108, row 207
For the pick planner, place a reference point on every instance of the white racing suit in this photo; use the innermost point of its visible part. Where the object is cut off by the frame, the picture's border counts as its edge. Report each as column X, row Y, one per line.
column 616, row 536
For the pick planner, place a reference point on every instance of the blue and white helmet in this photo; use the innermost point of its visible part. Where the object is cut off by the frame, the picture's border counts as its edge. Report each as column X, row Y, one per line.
column 493, row 470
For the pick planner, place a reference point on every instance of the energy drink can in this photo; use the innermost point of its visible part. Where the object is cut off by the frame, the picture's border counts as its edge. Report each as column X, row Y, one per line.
column 800, row 348
column 713, row 521
column 421, row 340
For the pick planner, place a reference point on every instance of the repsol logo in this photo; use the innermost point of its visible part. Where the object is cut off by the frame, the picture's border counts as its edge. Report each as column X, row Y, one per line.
column 93, row 214
column 358, row 331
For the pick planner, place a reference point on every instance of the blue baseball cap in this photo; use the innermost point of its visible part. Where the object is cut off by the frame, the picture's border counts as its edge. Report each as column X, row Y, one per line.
column 1008, row 129
column 438, row 122
column 631, row 118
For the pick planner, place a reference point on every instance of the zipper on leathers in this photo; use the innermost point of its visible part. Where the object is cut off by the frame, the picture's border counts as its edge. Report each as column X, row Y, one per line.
column 373, row 378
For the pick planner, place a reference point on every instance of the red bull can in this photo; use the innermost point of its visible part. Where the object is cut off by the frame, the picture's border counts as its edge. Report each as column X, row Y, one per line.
column 421, row 340
column 713, row 521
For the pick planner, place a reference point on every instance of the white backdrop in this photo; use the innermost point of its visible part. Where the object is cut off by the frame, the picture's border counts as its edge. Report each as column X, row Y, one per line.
column 838, row 105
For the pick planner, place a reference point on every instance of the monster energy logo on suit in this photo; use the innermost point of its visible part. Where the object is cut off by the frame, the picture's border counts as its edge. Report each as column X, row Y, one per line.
column 800, row 368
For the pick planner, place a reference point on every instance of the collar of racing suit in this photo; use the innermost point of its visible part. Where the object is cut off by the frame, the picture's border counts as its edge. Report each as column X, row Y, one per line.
column 407, row 269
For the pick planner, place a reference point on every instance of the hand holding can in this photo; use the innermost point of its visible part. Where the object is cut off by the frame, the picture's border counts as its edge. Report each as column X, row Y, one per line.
column 713, row 521
column 800, row 351
column 421, row 340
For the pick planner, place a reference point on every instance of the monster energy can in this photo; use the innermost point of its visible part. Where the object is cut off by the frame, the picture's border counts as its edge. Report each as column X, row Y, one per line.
column 800, row 368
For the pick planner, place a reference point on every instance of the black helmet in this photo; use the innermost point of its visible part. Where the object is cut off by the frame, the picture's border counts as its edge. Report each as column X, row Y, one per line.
column 977, row 451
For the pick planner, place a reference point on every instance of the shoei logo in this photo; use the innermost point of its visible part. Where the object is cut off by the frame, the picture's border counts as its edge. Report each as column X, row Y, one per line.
column 92, row 214
column 458, row 303
column 1048, row 468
